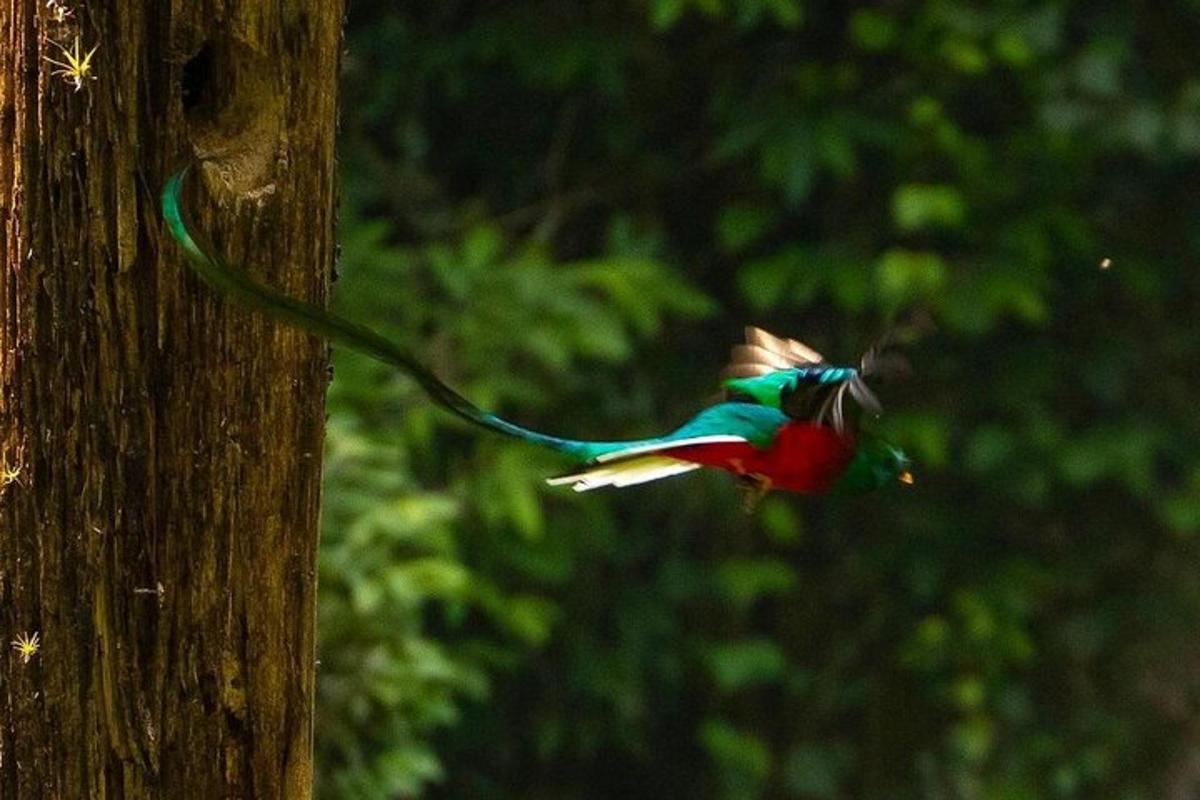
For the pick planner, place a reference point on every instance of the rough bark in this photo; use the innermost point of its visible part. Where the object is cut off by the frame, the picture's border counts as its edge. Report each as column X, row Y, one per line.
column 158, row 514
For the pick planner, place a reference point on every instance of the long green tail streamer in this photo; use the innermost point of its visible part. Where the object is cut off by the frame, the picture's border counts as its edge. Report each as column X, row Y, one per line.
column 337, row 330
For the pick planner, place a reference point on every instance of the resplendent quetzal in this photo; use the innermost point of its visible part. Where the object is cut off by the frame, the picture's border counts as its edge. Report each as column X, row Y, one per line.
column 782, row 424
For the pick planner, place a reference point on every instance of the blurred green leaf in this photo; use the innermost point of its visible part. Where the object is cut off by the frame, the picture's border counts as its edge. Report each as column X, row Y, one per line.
column 737, row 665
column 743, row 581
column 812, row 771
column 919, row 206
column 873, row 30
column 764, row 281
column 741, row 225
column 744, row 756
column 903, row 276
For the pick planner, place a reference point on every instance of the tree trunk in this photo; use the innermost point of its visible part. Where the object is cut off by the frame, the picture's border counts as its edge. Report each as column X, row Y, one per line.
column 160, row 448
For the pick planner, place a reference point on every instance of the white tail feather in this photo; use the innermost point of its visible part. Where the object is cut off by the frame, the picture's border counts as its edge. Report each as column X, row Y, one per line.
column 629, row 472
column 672, row 444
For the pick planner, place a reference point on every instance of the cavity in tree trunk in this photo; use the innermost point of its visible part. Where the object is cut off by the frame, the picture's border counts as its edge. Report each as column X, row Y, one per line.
column 160, row 449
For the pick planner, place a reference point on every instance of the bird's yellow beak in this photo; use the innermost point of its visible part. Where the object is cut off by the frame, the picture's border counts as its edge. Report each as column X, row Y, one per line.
column 906, row 477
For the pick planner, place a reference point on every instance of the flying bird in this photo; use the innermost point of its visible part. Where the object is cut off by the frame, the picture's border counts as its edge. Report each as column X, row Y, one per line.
column 782, row 423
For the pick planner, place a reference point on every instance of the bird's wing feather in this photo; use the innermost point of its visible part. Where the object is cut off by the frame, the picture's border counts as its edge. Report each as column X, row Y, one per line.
column 746, row 371
column 797, row 353
column 758, row 356
column 764, row 353
column 788, row 374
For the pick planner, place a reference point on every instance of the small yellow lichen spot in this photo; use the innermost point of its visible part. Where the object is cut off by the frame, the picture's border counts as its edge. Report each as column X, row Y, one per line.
column 27, row 645
column 9, row 475
column 59, row 12
column 77, row 66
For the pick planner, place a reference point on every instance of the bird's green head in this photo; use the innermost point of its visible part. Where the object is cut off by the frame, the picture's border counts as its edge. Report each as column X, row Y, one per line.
column 875, row 464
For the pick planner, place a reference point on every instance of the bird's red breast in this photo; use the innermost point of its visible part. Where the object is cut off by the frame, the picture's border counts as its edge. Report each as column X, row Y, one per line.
column 803, row 457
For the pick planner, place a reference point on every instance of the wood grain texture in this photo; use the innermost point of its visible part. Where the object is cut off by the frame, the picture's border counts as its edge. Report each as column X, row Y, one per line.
column 158, row 521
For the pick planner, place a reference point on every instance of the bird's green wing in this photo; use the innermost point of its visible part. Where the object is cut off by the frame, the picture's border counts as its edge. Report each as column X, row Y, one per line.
column 777, row 389
column 791, row 376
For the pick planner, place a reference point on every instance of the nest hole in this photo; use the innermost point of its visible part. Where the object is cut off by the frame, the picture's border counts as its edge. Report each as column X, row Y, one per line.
column 197, row 82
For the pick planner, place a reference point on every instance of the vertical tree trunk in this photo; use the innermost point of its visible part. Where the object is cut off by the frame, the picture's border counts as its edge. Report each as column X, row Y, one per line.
column 160, row 449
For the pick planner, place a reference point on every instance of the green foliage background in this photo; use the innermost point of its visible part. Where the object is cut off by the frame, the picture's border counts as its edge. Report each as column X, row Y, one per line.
column 572, row 208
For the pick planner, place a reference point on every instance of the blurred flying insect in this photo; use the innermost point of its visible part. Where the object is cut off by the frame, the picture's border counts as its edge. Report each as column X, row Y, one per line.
column 76, row 68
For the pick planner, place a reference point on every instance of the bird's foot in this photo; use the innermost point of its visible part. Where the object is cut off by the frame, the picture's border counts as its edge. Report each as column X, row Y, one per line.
column 754, row 487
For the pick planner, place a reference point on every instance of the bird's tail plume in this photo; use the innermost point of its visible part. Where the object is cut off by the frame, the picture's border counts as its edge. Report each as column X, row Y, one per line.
column 237, row 285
